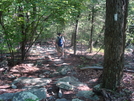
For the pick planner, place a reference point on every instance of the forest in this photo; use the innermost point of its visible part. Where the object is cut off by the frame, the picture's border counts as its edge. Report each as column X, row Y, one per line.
column 98, row 62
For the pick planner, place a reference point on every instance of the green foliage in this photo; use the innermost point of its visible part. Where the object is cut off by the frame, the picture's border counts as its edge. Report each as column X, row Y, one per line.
column 130, row 34
column 26, row 20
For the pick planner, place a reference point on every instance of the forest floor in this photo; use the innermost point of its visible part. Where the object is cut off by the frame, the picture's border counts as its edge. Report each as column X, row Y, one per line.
column 82, row 59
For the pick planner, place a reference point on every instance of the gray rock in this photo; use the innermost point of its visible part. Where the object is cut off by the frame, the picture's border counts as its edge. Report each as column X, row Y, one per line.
column 60, row 93
column 7, row 96
column 2, row 69
column 87, row 94
column 63, row 99
column 65, row 70
column 72, row 80
column 69, row 83
column 65, row 85
column 65, row 64
column 128, row 66
column 54, row 74
column 33, row 82
column 41, row 75
column 40, row 92
column 51, row 98
column 25, row 96
column 13, row 86
column 76, row 99
column 46, row 73
column 4, row 63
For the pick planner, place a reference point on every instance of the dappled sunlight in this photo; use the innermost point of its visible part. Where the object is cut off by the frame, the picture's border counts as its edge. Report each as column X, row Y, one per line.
column 47, row 65
column 84, row 88
column 128, row 81
column 24, row 68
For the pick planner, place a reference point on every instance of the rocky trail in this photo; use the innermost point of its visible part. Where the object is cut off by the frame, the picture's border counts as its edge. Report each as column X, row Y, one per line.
column 45, row 77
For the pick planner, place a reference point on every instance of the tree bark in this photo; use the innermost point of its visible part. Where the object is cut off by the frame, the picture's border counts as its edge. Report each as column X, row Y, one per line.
column 114, row 41
column 23, row 32
column 76, row 32
column 72, row 40
column 92, row 31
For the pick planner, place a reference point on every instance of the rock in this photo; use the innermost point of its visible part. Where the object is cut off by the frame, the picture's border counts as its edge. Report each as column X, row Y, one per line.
column 65, row 64
column 2, row 69
column 97, row 86
column 41, row 75
column 97, row 89
column 60, row 93
column 32, row 82
column 13, row 86
column 51, row 98
column 68, row 83
column 54, row 74
column 72, row 80
column 87, row 94
column 46, row 73
column 40, row 92
column 65, row 85
column 30, row 64
column 7, row 96
column 76, row 99
column 65, row 70
column 128, row 66
column 25, row 96
column 4, row 65
column 63, row 99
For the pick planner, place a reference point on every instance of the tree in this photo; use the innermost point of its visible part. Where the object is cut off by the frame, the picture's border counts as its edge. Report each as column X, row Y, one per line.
column 23, row 21
column 92, row 30
column 75, row 33
column 114, row 41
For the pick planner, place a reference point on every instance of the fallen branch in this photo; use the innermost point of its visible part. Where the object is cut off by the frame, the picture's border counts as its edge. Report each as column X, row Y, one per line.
column 100, row 68
column 126, row 70
column 91, row 67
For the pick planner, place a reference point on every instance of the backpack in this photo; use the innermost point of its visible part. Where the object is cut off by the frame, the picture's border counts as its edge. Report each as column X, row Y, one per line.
column 60, row 41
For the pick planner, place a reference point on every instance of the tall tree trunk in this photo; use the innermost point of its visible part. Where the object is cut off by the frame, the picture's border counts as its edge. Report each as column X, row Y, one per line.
column 75, row 33
column 23, row 32
column 114, row 40
column 72, row 40
column 92, row 31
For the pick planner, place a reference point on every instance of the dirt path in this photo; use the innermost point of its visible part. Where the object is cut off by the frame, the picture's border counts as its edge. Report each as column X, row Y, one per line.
column 44, row 59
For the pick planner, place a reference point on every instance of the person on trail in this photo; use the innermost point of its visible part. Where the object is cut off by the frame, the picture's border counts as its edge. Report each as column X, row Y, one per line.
column 59, row 44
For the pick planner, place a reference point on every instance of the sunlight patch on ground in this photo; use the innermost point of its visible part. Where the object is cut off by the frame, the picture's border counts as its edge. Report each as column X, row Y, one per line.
column 24, row 68
column 68, row 92
column 84, row 88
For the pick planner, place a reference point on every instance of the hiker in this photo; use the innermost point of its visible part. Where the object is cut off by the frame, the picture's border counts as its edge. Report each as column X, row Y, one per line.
column 59, row 44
